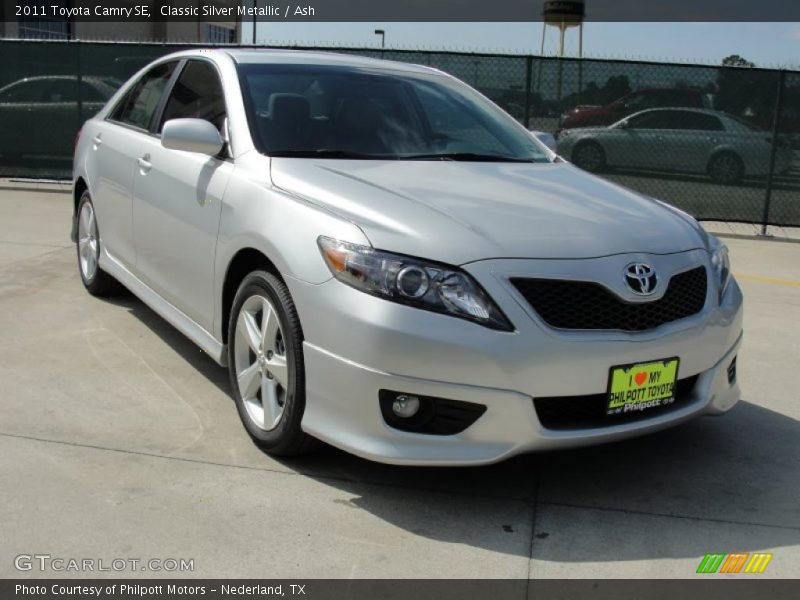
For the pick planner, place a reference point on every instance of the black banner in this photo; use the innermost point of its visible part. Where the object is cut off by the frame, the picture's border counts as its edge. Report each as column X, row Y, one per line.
column 555, row 11
column 382, row 589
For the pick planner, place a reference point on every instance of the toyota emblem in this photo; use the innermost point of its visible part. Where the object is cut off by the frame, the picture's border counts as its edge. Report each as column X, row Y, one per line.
column 641, row 278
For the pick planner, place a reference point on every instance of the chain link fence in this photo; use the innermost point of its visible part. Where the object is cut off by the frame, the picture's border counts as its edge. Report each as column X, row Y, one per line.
column 722, row 143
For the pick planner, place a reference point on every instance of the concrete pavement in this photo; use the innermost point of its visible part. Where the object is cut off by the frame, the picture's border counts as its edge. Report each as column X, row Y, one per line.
column 118, row 440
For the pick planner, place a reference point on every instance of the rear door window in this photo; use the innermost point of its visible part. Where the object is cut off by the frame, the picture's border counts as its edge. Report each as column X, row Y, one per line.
column 659, row 119
column 700, row 122
column 26, row 91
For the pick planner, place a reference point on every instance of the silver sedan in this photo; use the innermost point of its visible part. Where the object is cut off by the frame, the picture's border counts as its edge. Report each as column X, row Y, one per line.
column 682, row 140
column 386, row 261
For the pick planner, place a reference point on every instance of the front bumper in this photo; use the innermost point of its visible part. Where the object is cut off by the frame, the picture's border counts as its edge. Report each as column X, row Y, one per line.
column 357, row 345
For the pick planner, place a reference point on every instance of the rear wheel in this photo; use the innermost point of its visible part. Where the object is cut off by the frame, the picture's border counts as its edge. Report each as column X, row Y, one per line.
column 265, row 362
column 96, row 281
column 726, row 168
column 589, row 156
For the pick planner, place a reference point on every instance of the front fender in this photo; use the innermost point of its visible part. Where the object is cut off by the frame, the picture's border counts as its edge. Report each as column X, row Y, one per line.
column 283, row 228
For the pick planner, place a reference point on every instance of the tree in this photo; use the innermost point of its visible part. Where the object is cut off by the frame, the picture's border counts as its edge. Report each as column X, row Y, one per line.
column 734, row 60
column 744, row 91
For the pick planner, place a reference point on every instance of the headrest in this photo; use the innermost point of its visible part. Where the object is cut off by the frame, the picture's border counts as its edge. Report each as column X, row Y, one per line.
column 289, row 107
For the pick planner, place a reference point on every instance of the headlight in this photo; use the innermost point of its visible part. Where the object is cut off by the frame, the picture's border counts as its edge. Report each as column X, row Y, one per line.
column 412, row 281
column 721, row 264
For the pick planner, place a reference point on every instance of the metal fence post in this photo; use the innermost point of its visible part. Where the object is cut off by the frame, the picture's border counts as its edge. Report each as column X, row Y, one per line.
column 528, row 73
column 79, row 81
column 776, row 119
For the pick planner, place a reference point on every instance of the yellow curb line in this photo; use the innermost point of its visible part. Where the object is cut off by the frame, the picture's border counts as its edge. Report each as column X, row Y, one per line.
column 775, row 280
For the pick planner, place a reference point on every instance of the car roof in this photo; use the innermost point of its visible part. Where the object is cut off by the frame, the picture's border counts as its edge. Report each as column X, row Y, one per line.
column 702, row 111
column 304, row 57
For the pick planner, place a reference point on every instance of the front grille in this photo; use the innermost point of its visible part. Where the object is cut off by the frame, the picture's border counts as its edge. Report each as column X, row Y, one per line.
column 586, row 305
column 585, row 412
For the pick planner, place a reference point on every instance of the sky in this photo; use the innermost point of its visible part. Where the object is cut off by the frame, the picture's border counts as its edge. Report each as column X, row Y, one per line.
column 766, row 44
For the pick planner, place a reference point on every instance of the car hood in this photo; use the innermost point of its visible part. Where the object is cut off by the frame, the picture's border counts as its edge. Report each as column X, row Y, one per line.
column 460, row 212
column 579, row 131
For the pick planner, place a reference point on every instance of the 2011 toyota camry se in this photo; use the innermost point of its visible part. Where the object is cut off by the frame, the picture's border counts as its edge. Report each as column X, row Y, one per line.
column 386, row 261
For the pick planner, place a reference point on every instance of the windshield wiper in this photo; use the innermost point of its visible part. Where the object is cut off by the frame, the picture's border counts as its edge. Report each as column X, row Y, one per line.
column 467, row 157
column 326, row 153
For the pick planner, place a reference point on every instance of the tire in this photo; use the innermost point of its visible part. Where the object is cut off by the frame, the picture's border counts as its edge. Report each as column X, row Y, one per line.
column 96, row 281
column 589, row 156
column 726, row 168
column 268, row 364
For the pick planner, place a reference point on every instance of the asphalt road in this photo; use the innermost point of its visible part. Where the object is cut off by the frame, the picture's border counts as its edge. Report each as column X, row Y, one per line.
column 118, row 440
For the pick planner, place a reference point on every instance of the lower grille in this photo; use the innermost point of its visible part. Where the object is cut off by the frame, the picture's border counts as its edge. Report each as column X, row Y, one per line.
column 436, row 416
column 732, row 371
column 586, row 412
column 586, row 305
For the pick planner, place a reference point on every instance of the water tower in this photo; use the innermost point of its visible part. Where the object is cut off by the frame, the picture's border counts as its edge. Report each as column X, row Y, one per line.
column 563, row 14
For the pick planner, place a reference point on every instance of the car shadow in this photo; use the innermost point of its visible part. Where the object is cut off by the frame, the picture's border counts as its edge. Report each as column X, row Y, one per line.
column 188, row 350
column 738, row 472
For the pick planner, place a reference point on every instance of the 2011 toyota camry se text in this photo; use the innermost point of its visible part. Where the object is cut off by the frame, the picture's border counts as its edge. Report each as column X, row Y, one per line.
column 386, row 261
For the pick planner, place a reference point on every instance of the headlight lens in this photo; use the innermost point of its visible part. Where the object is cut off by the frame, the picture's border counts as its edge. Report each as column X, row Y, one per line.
column 721, row 264
column 412, row 281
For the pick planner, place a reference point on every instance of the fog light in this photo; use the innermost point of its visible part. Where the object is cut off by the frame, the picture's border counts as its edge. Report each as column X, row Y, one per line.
column 405, row 406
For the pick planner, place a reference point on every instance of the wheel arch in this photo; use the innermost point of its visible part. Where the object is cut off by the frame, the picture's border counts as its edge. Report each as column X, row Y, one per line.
column 78, row 189
column 720, row 150
column 244, row 261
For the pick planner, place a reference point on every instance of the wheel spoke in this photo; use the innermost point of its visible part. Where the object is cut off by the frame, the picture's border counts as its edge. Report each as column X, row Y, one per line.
column 269, row 327
column 91, row 263
column 269, row 402
column 91, row 224
column 85, row 220
column 83, row 247
column 246, row 326
column 249, row 381
column 277, row 366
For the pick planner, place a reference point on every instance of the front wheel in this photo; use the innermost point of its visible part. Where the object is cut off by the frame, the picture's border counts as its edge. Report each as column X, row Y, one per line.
column 265, row 363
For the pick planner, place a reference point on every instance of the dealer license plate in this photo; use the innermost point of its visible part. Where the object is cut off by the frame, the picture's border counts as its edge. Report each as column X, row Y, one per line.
column 642, row 386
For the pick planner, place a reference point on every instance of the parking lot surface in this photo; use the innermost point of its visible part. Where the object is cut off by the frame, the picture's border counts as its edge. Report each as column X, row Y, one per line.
column 118, row 439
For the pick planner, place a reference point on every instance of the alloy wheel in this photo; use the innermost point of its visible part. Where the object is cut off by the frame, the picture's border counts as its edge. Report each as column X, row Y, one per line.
column 725, row 168
column 261, row 362
column 88, row 247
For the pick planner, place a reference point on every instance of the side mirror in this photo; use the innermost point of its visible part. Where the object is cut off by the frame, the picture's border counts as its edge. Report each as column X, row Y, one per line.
column 623, row 125
column 191, row 135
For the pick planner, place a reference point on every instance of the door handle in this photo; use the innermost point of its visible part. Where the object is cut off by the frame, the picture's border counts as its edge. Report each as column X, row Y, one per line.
column 144, row 163
column 97, row 141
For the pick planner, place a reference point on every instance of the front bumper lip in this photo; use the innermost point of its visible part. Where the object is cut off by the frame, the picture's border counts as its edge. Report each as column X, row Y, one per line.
column 342, row 409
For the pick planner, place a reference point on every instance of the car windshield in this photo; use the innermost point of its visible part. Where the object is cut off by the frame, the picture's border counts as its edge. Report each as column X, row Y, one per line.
column 349, row 112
